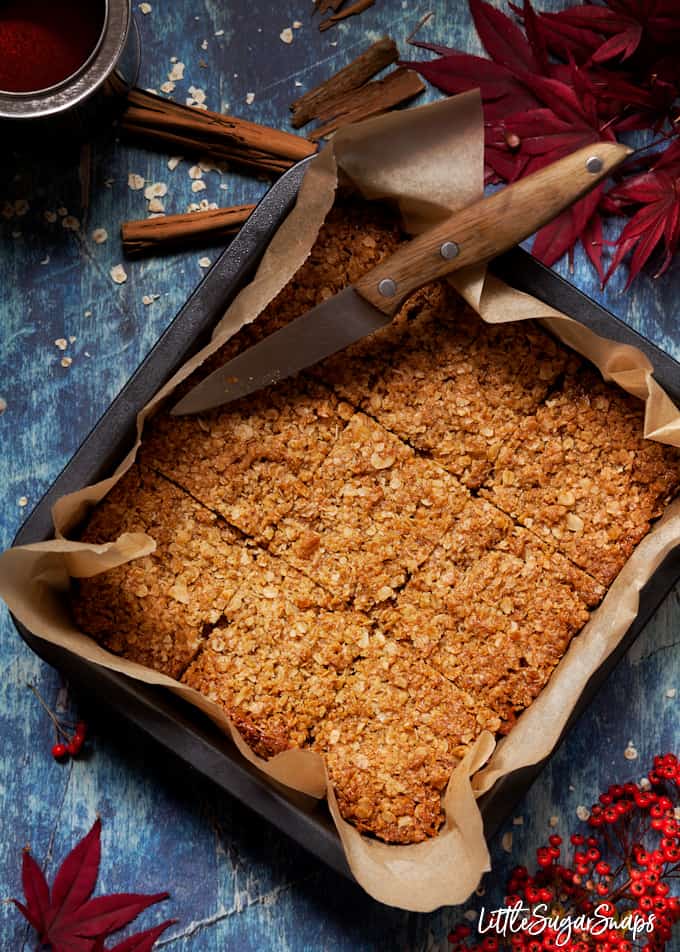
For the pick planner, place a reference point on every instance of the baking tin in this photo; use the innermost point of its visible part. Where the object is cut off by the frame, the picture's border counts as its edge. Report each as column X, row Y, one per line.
column 179, row 726
column 88, row 96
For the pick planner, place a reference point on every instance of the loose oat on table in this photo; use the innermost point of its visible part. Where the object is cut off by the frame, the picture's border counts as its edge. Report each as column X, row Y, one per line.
column 249, row 460
column 392, row 739
column 580, row 474
column 154, row 610
column 373, row 513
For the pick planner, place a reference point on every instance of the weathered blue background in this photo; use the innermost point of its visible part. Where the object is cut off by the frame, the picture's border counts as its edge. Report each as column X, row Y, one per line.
column 235, row 883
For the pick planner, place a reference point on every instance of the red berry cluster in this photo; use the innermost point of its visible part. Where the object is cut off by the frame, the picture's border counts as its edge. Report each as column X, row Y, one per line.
column 622, row 868
column 74, row 745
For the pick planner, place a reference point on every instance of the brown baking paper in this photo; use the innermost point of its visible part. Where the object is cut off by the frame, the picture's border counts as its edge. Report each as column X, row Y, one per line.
column 430, row 160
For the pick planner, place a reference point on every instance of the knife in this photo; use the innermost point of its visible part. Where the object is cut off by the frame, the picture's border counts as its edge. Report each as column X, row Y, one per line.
column 470, row 236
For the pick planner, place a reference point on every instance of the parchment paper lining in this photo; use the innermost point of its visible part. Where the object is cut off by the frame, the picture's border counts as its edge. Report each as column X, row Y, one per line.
column 430, row 161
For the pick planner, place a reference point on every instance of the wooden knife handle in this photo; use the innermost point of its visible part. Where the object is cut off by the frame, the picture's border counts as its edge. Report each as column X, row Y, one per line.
column 488, row 227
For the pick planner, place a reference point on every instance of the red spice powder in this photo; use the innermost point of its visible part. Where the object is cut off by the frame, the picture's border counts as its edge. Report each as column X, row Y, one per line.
column 42, row 42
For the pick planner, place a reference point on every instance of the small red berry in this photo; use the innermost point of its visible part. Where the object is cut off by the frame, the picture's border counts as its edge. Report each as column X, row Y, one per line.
column 59, row 751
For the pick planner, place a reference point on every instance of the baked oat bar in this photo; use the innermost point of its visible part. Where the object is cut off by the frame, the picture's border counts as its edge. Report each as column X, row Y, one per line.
column 373, row 513
column 154, row 610
column 276, row 662
column 249, row 460
column 580, row 474
column 392, row 738
column 452, row 386
column 494, row 622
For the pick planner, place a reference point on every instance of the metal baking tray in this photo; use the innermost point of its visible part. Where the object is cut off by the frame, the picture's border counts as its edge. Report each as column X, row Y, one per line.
column 172, row 722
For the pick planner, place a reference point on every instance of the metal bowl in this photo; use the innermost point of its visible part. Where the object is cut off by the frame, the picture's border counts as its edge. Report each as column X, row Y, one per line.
column 76, row 103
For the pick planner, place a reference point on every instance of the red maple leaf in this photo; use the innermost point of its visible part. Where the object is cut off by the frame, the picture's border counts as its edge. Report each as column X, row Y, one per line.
column 615, row 31
column 511, row 53
column 67, row 919
column 656, row 223
column 568, row 121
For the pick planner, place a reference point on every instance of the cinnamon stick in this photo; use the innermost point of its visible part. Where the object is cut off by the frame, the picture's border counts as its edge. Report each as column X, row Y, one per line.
column 351, row 11
column 370, row 100
column 202, row 132
column 174, row 232
column 352, row 76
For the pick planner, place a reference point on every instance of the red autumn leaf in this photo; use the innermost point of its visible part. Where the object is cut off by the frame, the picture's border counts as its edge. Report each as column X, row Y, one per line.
column 502, row 38
column 566, row 41
column 656, row 223
column 69, row 920
column 36, row 892
column 614, row 31
column 500, row 90
column 141, row 941
column 593, row 243
column 76, row 877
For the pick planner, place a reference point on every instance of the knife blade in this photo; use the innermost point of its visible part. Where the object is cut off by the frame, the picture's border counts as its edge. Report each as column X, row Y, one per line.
column 471, row 236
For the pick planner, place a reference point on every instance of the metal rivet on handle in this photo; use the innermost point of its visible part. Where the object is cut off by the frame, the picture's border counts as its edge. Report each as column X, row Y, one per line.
column 387, row 287
column 594, row 164
column 449, row 250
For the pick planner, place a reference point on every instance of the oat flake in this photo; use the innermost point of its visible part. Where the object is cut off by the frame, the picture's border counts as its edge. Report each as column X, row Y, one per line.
column 195, row 172
column 149, row 299
column 553, row 821
column 155, row 190
column 156, row 205
column 506, row 842
column 23, row 501
column 3, row 405
column 50, row 217
column 61, row 343
column 145, row 8
column 100, row 235
column 630, row 753
column 671, row 692
column 118, row 274
column 21, row 207
column 135, row 182
column 198, row 185
column 71, row 223
column 168, row 86
column 204, row 262
column 204, row 45
column 250, row 98
column 177, row 71
column 583, row 813
column 173, row 162
column 286, row 36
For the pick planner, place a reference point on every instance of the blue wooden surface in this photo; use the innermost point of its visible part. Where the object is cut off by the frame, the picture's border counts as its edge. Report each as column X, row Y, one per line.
column 235, row 883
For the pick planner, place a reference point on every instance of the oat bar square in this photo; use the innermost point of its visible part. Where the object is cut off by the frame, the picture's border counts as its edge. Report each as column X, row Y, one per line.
column 580, row 474
column 392, row 738
column 155, row 609
column 373, row 514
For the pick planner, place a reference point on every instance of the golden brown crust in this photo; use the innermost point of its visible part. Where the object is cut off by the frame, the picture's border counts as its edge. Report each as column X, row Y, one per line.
column 154, row 610
column 391, row 740
column 276, row 661
column 251, row 459
column 493, row 609
column 373, row 514
column 580, row 474
column 466, row 614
